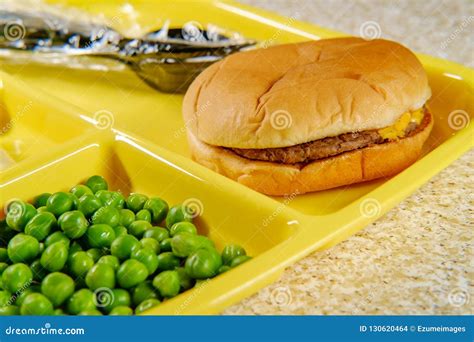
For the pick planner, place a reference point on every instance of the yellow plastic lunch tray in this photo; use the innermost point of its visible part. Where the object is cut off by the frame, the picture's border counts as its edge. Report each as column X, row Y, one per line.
column 76, row 123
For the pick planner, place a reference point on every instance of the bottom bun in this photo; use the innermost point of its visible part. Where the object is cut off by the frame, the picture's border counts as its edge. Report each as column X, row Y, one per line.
column 276, row 179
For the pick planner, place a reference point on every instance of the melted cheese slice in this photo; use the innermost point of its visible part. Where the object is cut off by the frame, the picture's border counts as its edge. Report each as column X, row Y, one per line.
column 397, row 130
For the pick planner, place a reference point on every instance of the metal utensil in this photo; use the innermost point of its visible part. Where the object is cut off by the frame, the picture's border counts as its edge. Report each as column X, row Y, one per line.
column 167, row 59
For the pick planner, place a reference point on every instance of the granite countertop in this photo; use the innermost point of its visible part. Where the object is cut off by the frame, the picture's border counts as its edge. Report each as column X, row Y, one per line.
column 418, row 258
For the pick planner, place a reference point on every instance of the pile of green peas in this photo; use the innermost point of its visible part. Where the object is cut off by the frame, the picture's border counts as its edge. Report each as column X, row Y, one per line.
column 91, row 251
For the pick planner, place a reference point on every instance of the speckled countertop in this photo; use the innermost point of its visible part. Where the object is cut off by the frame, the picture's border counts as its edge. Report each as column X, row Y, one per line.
column 418, row 258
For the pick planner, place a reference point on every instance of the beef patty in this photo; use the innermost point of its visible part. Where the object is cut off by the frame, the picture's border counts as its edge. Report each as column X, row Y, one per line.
column 322, row 148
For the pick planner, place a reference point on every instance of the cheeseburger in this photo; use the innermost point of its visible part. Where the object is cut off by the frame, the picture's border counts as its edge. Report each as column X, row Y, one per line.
column 310, row 116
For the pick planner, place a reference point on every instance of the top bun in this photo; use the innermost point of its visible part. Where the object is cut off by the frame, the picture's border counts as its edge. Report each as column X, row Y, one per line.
column 295, row 93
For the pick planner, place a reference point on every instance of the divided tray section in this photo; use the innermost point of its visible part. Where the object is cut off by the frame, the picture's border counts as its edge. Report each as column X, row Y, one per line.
column 228, row 211
column 33, row 123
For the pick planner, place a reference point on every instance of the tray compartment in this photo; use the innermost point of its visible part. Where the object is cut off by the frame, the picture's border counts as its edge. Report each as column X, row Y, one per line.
column 31, row 125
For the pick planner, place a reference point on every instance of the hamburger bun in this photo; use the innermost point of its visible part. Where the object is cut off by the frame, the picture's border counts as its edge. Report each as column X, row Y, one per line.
column 293, row 94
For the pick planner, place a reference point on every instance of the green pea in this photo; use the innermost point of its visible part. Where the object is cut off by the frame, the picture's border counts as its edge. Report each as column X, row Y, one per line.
column 158, row 209
column 39, row 272
column 75, row 201
column 230, row 252
column 58, row 287
column 185, row 281
column 107, row 215
column 146, row 305
column 104, row 196
column 9, row 310
column 80, row 190
column 147, row 257
column 223, row 269
column 59, row 312
column 183, row 227
column 75, row 247
column 177, row 213
column 23, row 248
column 23, row 294
column 100, row 275
column 59, row 202
column 135, row 202
column 54, row 257
column 40, row 225
column 167, row 261
column 80, row 263
column 41, row 200
column 203, row 263
column 120, row 230
column 123, row 246
column 90, row 312
column 56, row 237
column 126, row 217
column 88, row 204
column 95, row 253
column 111, row 198
column 3, row 267
column 96, row 183
column 6, row 233
column 36, row 304
column 18, row 215
column 157, row 233
column 239, row 260
column 121, row 311
column 151, row 244
column 143, row 291
column 3, row 254
column 80, row 301
column 185, row 244
column 115, row 298
column 5, row 298
column 73, row 224
column 137, row 228
column 131, row 273
column 167, row 283
column 144, row 215
column 165, row 245
column 110, row 260
column 100, row 235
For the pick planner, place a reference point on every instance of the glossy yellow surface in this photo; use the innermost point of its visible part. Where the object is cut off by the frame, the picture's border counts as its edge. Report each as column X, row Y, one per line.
column 145, row 150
